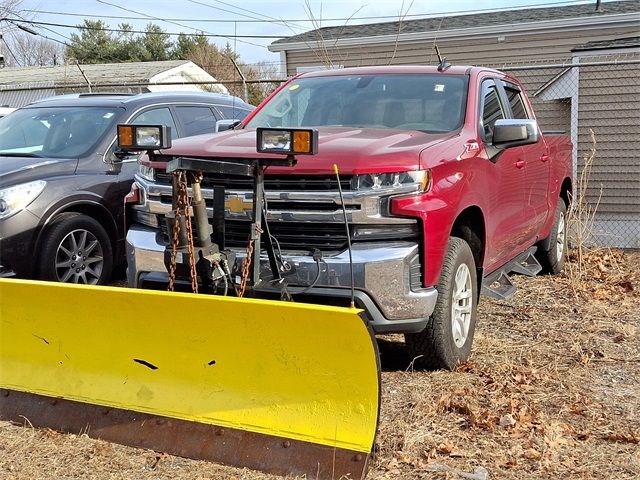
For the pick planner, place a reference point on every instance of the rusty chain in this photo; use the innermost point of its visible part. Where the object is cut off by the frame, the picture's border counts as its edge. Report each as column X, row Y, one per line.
column 182, row 208
column 246, row 264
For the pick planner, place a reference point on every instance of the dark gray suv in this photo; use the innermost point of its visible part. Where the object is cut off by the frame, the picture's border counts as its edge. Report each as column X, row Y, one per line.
column 63, row 181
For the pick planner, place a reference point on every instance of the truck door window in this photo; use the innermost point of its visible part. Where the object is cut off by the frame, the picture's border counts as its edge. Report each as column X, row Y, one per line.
column 491, row 109
column 518, row 109
column 197, row 120
column 157, row 116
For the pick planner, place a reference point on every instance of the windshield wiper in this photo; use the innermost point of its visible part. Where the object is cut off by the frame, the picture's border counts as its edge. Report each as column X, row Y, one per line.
column 16, row 154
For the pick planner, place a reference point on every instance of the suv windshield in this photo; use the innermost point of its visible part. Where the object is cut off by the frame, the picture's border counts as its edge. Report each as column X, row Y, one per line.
column 431, row 103
column 54, row 132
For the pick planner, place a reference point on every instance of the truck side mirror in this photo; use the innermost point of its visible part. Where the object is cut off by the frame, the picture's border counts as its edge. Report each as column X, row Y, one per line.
column 514, row 133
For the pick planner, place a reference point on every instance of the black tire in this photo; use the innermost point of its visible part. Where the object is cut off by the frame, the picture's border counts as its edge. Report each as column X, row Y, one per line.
column 552, row 251
column 438, row 345
column 62, row 258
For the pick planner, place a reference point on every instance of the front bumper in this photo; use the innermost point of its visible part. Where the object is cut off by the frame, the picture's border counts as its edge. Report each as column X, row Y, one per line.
column 17, row 237
column 382, row 278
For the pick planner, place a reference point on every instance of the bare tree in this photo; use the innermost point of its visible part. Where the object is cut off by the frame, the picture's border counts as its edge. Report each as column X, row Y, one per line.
column 36, row 51
column 401, row 16
column 22, row 48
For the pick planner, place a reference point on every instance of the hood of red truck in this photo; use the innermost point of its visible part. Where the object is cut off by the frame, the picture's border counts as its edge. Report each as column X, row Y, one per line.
column 372, row 150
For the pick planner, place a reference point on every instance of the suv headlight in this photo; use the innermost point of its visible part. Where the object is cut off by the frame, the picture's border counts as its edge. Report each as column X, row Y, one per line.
column 146, row 172
column 18, row 197
column 419, row 179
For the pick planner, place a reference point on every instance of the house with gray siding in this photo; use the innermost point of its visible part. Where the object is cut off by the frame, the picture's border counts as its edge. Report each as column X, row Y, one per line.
column 580, row 65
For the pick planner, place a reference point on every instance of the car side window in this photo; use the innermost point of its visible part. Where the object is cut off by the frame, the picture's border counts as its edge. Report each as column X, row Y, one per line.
column 518, row 109
column 234, row 113
column 157, row 116
column 197, row 120
column 491, row 108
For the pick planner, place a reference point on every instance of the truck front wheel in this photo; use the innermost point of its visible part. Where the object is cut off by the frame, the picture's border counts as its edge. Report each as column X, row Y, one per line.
column 447, row 339
column 552, row 257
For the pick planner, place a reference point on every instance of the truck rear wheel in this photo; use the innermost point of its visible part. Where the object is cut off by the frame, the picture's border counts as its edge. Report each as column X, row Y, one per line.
column 447, row 339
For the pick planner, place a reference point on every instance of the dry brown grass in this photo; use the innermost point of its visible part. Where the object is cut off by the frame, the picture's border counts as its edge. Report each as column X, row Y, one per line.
column 551, row 391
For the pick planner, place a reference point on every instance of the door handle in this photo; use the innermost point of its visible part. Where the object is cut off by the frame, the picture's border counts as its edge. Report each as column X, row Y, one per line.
column 519, row 163
column 544, row 157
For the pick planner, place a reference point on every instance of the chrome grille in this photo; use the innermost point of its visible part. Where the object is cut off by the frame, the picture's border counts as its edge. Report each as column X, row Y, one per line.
column 322, row 183
column 299, row 236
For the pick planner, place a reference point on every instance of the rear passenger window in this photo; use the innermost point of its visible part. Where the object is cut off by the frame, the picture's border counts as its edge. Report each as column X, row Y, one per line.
column 233, row 113
column 197, row 120
column 491, row 108
column 157, row 116
column 517, row 103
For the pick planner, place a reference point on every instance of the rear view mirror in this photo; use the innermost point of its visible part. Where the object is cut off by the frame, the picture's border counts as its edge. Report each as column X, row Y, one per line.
column 514, row 133
column 226, row 124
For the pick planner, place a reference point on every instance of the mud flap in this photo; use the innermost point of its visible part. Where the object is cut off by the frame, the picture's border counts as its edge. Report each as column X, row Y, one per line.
column 286, row 388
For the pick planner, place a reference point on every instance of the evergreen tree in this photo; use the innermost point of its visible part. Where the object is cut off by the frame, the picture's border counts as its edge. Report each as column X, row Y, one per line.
column 93, row 45
column 156, row 44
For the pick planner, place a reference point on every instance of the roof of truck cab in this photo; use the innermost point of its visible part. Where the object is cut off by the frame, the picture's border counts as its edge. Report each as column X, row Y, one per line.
column 394, row 69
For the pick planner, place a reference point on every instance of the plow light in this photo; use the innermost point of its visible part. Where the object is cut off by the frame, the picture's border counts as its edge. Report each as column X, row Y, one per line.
column 288, row 141
column 144, row 137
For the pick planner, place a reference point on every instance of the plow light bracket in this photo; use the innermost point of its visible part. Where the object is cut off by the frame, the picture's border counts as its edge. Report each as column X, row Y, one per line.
column 143, row 137
column 287, row 141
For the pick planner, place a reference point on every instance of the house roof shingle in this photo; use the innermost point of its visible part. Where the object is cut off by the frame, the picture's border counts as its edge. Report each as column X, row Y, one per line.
column 627, row 42
column 507, row 17
column 96, row 73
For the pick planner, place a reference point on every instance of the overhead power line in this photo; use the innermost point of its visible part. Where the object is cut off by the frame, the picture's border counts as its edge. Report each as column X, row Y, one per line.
column 120, row 30
column 174, row 23
column 24, row 19
column 309, row 20
column 254, row 16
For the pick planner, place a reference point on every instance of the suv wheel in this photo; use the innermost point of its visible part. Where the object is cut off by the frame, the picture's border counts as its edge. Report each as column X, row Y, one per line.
column 447, row 339
column 76, row 249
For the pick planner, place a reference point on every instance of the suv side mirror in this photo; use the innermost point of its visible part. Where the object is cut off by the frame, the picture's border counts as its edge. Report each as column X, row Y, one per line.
column 226, row 124
column 514, row 133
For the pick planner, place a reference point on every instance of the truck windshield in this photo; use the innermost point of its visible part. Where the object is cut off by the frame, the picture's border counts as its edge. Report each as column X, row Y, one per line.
column 431, row 103
column 54, row 132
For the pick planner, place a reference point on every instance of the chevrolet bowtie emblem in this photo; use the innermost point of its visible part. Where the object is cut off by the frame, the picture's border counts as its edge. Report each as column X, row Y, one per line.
column 235, row 204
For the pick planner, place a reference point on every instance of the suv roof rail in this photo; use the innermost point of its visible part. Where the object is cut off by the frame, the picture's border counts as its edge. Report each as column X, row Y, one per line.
column 106, row 94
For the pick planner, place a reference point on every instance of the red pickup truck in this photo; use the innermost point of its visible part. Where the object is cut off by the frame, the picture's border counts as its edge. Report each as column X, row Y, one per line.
column 449, row 186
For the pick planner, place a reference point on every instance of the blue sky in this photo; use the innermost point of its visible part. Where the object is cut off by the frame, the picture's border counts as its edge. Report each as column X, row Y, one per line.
column 190, row 16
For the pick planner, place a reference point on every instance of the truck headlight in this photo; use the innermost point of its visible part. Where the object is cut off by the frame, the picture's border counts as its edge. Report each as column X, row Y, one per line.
column 18, row 197
column 418, row 179
column 138, row 138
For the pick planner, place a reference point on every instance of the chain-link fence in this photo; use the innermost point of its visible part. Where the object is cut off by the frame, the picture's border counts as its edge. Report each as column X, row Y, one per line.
column 596, row 101
column 599, row 94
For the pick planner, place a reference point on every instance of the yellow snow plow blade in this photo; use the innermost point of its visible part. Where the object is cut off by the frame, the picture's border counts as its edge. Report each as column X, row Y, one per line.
column 275, row 386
